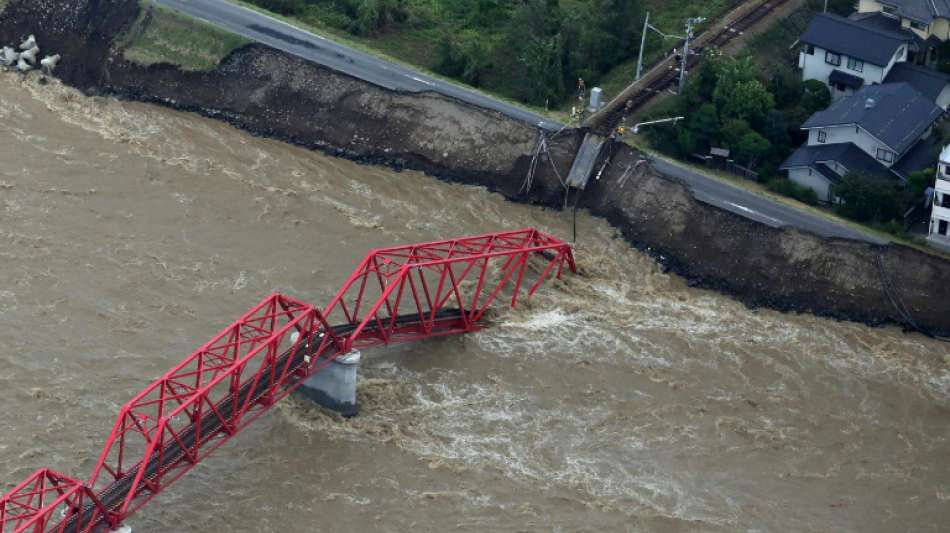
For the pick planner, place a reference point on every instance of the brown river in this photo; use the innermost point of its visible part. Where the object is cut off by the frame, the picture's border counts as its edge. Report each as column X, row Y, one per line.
column 620, row 400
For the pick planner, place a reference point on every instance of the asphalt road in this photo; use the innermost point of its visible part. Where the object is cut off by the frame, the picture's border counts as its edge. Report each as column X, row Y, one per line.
column 282, row 36
column 750, row 205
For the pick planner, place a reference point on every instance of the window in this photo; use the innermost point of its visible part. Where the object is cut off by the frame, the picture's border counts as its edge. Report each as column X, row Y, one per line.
column 810, row 49
column 946, row 170
column 822, row 136
column 833, row 59
column 942, row 227
column 855, row 64
column 885, row 155
column 919, row 26
column 946, row 200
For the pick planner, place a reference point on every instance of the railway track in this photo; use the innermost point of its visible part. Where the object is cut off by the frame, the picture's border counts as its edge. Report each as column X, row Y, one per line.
column 665, row 75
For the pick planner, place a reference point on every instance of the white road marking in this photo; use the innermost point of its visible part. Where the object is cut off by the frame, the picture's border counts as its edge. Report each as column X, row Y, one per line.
column 420, row 80
column 755, row 213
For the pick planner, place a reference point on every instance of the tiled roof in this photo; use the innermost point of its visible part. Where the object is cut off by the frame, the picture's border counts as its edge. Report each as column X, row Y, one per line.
column 929, row 82
column 853, row 39
column 895, row 113
column 920, row 10
column 846, row 154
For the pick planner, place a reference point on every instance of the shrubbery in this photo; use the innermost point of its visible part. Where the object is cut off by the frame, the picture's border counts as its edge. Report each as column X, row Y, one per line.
column 530, row 50
column 787, row 187
column 729, row 104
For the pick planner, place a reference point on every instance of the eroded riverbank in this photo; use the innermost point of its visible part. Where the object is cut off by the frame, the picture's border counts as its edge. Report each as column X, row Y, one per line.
column 621, row 400
column 276, row 95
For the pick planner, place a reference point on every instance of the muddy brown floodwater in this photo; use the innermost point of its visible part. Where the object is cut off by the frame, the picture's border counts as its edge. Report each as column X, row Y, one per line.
column 620, row 400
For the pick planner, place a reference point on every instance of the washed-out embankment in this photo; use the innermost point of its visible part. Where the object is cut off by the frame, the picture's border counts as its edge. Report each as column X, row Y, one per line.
column 274, row 94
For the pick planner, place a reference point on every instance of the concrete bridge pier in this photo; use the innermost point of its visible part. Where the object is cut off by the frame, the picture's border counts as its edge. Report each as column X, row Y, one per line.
column 334, row 387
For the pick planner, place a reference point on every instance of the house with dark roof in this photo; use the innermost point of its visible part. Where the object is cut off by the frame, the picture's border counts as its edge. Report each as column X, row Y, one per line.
column 926, row 18
column 923, row 50
column 881, row 132
column 931, row 83
column 847, row 55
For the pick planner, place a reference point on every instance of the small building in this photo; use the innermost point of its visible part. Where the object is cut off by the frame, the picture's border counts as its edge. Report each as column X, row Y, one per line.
column 940, row 216
column 881, row 131
column 847, row 55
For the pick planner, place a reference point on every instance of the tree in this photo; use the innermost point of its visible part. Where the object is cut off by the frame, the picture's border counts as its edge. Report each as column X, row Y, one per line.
column 733, row 130
column 786, row 86
column 466, row 55
column 705, row 125
column 685, row 142
column 739, row 94
column 917, row 184
column 815, row 96
column 746, row 100
column 284, row 7
column 371, row 16
column 751, row 148
column 775, row 128
column 867, row 199
column 702, row 83
column 532, row 52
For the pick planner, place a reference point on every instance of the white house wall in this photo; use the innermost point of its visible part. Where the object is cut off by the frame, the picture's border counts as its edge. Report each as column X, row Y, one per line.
column 869, row 6
column 944, row 99
column 807, row 177
column 847, row 134
column 814, row 67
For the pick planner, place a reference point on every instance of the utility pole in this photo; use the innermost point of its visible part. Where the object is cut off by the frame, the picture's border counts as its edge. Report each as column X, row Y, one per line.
column 689, row 35
column 826, row 6
column 643, row 44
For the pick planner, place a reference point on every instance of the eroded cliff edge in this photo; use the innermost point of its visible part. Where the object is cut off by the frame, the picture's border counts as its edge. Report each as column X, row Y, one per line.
column 273, row 94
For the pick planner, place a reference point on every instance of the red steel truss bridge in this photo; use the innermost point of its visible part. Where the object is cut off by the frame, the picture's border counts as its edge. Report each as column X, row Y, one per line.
column 398, row 294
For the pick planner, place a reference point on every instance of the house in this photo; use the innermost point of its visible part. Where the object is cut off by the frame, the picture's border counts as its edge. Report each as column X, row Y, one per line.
column 932, row 84
column 928, row 19
column 847, row 55
column 923, row 51
column 881, row 131
column 940, row 216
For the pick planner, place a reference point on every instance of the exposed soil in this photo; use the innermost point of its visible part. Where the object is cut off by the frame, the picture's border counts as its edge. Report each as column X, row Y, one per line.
column 277, row 95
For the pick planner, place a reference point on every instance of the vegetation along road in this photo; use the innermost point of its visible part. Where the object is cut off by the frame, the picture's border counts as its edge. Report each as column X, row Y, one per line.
column 282, row 36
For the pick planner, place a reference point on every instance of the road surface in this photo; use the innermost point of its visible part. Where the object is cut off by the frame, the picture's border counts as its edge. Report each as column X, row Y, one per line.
column 282, row 36
column 261, row 28
column 756, row 207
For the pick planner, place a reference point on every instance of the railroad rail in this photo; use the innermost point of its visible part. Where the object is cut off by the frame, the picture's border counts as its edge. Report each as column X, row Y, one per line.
column 397, row 294
column 665, row 74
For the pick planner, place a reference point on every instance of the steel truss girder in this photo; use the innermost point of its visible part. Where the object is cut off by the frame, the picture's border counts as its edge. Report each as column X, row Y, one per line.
column 396, row 294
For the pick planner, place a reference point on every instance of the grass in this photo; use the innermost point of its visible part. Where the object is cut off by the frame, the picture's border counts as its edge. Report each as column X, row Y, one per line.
column 164, row 36
column 774, row 45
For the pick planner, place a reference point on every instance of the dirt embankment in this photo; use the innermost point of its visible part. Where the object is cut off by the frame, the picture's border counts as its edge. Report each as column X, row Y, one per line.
column 273, row 94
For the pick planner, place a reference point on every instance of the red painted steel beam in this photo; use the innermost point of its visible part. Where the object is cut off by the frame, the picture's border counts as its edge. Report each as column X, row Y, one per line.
column 396, row 294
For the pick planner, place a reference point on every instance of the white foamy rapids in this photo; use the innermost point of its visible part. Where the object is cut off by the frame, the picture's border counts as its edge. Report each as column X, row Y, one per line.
column 483, row 427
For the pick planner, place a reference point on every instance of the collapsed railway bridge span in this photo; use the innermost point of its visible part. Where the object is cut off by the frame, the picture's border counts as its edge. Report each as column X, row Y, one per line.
column 397, row 294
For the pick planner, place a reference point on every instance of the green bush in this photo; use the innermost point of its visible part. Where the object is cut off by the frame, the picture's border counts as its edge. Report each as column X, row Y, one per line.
column 787, row 187
column 868, row 200
column 892, row 227
column 283, row 7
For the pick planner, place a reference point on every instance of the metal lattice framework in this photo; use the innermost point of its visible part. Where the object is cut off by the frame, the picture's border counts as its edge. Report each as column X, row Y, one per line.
column 395, row 295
